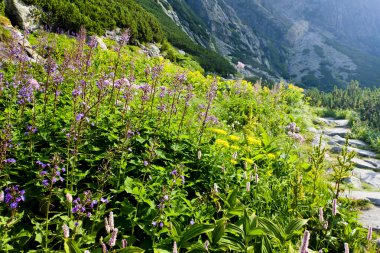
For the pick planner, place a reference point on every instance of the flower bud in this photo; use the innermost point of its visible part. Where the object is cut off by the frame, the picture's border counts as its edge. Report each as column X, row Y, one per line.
column 69, row 197
column 66, row 231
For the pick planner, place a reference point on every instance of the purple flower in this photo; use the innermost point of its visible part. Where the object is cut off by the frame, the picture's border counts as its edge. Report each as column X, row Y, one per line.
column 154, row 223
column 146, row 163
column 166, row 198
column 161, row 224
column 174, row 173
column 45, row 182
column 12, row 196
column 79, row 116
column 104, row 200
column 1, row 196
column 192, row 222
column 10, row 160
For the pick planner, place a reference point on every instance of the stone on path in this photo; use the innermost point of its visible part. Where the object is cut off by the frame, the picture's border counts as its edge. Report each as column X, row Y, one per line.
column 362, row 164
column 342, row 132
column 351, row 142
column 370, row 177
column 335, row 122
column 360, row 152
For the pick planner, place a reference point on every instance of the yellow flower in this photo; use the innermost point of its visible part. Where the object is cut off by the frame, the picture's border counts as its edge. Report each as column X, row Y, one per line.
column 249, row 161
column 271, row 156
column 293, row 87
column 235, row 147
column 253, row 141
column 222, row 143
column 218, row 131
column 233, row 138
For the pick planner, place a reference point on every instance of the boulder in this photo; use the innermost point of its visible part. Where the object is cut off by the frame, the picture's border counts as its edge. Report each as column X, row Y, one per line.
column 101, row 43
column 370, row 177
column 21, row 15
column 153, row 50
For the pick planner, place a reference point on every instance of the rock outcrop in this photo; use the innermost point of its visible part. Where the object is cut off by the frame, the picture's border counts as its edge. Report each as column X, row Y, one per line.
column 21, row 15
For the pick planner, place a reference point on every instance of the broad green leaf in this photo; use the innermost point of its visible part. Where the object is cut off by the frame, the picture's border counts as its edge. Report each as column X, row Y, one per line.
column 218, row 231
column 295, row 225
column 130, row 249
column 195, row 231
column 71, row 246
column 272, row 229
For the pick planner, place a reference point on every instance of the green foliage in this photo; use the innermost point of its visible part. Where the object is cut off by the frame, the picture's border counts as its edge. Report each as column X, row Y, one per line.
column 97, row 16
column 2, row 7
column 343, row 167
column 181, row 160
column 5, row 35
column 208, row 59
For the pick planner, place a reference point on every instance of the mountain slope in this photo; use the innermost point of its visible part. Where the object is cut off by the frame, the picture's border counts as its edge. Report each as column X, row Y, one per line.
column 313, row 43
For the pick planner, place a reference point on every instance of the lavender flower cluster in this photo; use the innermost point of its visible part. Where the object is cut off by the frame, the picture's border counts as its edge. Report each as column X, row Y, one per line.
column 293, row 131
column 85, row 206
column 50, row 175
column 12, row 196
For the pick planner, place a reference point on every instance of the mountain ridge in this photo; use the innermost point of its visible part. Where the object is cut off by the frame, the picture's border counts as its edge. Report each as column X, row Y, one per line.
column 288, row 40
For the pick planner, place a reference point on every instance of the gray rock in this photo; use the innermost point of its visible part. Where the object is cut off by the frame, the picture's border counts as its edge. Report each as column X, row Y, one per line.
column 153, row 50
column 353, row 181
column 362, row 164
column 370, row 177
column 351, row 142
column 374, row 162
column 101, row 43
column 360, row 152
column 342, row 132
column 334, row 122
column 26, row 17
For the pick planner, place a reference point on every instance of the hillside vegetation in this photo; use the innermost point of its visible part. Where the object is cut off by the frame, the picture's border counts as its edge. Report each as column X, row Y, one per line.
column 360, row 104
column 100, row 15
column 112, row 151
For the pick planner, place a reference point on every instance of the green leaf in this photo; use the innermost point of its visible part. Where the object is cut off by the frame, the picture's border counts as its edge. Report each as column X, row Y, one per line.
column 195, row 231
column 128, row 185
column 38, row 238
column 256, row 232
column 272, row 229
column 161, row 251
column 232, row 196
column 131, row 249
column 219, row 230
column 295, row 225
column 71, row 246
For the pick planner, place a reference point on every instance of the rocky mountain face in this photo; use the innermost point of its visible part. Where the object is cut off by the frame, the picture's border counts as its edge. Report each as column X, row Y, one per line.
column 311, row 42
